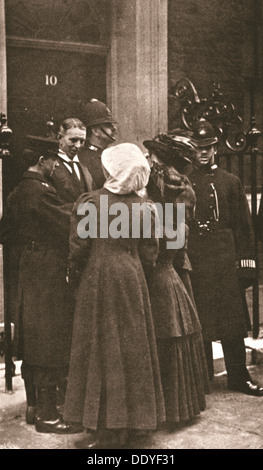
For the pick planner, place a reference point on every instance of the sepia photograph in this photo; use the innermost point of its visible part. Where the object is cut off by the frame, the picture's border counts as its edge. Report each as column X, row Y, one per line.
column 131, row 229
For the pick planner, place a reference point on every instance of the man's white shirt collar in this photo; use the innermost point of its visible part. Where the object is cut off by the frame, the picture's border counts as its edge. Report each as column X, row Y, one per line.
column 66, row 159
column 93, row 147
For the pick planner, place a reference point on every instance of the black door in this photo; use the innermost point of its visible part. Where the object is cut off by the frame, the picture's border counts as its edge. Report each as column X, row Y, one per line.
column 45, row 84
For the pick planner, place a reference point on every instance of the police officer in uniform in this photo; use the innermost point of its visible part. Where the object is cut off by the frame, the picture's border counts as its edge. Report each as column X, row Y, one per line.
column 222, row 255
column 43, row 326
column 101, row 133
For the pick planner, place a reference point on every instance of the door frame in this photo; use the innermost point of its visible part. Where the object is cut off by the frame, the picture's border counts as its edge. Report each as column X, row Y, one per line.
column 97, row 49
column 3, row 109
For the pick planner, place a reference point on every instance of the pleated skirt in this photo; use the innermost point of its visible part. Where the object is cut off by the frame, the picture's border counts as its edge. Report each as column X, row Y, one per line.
column 181, row 354
column 184, row 377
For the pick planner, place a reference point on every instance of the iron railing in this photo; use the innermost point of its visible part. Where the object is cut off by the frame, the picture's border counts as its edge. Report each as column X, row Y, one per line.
column 5, row 137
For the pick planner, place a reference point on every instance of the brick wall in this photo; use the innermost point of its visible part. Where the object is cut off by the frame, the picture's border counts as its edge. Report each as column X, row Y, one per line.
column 209, row 41
column 214, row 41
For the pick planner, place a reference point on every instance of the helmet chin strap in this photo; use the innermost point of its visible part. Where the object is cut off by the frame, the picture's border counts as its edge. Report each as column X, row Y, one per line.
column 108, row 135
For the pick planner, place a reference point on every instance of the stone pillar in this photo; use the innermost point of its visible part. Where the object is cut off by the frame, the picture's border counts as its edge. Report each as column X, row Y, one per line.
column 137, row 68
column 3, row 109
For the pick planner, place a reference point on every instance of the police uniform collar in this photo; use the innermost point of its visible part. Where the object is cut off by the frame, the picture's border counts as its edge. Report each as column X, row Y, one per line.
column 207, row 169
column 93, row 147
column 29, row 174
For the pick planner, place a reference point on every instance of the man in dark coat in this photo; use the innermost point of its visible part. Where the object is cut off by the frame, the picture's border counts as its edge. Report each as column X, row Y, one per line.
column 221, row 252
column 43, row 326
column 70, row 179
column 101, row 132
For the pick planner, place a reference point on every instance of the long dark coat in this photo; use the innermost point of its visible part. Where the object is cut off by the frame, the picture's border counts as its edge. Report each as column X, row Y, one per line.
column 177, row 326
column 114, row 369
column 68, row 188
column 221, row 253
column 44, row 320
column 173, row 311
column 90, row 157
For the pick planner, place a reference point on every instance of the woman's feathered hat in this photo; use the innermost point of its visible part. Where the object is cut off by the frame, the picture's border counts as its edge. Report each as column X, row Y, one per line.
column 172, row 148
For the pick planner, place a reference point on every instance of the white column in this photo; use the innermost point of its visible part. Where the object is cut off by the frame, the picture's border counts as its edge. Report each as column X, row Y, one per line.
column 137, row 68
column 3, row 109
